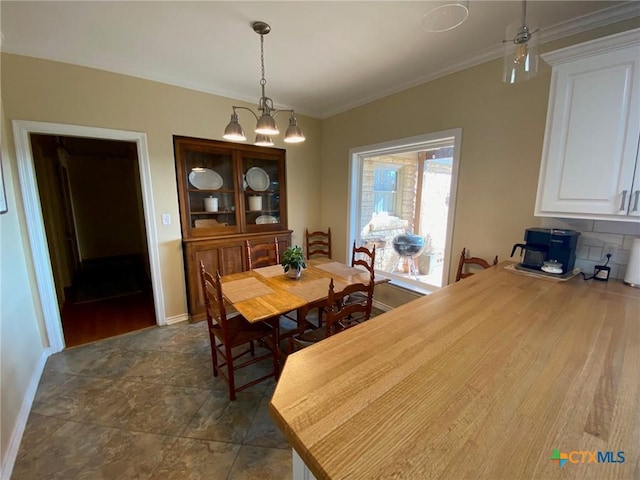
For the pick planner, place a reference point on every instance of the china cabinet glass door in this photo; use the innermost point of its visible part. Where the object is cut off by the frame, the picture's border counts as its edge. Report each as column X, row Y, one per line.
column 210, row 201
column 262, row 184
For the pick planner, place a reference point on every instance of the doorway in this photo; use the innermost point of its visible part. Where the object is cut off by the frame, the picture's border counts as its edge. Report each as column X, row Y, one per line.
column 91, row 200
column 34, row 216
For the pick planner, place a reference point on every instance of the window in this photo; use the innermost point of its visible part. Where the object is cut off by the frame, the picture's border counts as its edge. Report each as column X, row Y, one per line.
column 385, row 188
column 406, row 186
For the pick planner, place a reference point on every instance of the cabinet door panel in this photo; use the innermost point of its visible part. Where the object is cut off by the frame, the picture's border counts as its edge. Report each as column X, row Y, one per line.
column 210, row 257
column 231, row 259
column 591, row 137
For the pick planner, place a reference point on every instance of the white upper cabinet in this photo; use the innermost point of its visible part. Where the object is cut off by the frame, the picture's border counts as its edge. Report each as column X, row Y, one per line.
column 590, row 153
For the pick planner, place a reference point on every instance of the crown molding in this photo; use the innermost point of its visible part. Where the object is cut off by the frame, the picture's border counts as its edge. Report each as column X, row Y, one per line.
column 593, row 47
column 601, row 18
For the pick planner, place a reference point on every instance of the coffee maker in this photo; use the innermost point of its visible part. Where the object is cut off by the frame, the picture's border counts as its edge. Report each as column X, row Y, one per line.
column 548, row 246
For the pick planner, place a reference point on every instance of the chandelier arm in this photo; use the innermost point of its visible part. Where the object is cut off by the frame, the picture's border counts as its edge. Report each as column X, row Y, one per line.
column 275, row 112
column 245, row 108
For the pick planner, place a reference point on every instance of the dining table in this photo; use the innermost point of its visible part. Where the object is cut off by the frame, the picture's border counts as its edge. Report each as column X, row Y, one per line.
column 265, row 293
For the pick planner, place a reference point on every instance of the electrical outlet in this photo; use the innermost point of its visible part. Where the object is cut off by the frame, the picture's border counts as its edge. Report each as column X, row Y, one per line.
column 609, row 248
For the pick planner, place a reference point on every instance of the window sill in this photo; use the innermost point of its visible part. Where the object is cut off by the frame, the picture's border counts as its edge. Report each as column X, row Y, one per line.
column 411, row 287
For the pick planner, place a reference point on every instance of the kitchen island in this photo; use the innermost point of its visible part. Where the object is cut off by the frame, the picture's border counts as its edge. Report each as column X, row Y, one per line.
column 492, row 377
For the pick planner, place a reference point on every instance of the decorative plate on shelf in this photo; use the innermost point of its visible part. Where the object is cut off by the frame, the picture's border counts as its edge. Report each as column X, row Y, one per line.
column 257, row 179
column 205, row 179
column 265, row 219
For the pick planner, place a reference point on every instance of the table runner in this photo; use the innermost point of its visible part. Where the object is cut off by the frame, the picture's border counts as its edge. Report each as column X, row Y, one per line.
column 245, row 289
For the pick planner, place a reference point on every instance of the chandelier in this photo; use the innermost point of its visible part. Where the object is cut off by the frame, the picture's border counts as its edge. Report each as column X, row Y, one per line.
column 521, row 53
column 265, row 122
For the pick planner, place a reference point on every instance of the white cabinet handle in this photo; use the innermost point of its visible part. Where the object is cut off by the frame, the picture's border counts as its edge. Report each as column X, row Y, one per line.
column 624, row 200
column 635, row 200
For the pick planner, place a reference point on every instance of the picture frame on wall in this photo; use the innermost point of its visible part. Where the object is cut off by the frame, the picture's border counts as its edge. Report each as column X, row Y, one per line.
column 4, row 208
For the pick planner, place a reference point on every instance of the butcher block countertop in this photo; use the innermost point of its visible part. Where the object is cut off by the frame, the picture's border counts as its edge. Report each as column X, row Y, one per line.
column 483, row 379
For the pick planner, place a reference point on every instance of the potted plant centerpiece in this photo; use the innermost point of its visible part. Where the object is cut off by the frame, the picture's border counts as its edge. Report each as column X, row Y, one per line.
column 293, row 261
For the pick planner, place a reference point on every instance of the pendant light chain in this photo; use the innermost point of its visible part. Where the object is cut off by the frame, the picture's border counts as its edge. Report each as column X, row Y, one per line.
column 263, row 81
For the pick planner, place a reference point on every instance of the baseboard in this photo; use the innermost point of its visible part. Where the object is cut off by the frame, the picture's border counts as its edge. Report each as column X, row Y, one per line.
column 184, row 317
column 21, row 422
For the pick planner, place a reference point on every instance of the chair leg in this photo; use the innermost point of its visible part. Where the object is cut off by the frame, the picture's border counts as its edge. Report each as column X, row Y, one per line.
column 214, row 357
column 253, row 350
column 230, row 373
column 276, row 351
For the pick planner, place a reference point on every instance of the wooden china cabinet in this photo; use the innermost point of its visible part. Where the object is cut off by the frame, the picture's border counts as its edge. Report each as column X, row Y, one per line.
column 228, row 193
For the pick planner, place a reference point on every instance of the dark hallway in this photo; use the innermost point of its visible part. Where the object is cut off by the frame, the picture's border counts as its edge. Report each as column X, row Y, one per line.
column 91, row 199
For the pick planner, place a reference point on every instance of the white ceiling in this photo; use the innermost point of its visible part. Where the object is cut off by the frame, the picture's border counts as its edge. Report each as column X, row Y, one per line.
column 321, row 57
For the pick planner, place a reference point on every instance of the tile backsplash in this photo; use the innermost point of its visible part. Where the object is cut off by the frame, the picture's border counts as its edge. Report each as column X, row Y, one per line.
column 594, row 234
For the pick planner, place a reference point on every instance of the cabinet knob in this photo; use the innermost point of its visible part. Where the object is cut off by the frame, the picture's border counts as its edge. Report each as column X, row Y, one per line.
column 636, row 194
column 624, row 200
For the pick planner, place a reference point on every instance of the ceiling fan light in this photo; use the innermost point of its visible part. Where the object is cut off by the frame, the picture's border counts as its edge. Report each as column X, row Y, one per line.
column 263, row 140
column 234, row 130
column 294, row 133
column 267, row 125
column 446, row 16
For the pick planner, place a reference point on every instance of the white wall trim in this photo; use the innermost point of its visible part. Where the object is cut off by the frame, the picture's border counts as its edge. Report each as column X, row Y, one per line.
column 626, row 39
column 184, row 317
column 35, row 224
column 23, row 416
column 382, row 306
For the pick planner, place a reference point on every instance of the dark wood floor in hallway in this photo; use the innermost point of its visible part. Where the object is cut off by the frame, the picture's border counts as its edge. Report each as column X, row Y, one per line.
column 87, row 322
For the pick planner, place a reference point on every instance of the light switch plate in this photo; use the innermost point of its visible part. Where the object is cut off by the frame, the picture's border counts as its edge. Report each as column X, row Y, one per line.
column 166, row 219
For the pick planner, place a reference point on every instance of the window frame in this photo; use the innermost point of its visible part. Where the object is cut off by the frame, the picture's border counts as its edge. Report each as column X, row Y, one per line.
column 419, row 142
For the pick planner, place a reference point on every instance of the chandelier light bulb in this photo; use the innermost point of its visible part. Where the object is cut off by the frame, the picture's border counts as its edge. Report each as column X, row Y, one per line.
column 234, row 130
column 263, row 140
column 293, row 133
column 521, row 54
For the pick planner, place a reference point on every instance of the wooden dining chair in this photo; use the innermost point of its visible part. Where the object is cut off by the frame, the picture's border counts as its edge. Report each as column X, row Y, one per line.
column 262, row 254
column 340, row 315
column 318, row 243
column 464, row 260
column 364, row 257
column 227, row 333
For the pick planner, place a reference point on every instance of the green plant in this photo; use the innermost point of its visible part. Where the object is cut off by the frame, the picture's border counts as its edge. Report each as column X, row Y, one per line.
column 292, row 258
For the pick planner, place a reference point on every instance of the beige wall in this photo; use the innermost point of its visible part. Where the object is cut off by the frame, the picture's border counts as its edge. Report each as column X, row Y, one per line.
column 46, row 91
column 502, row 134
column 22, row 342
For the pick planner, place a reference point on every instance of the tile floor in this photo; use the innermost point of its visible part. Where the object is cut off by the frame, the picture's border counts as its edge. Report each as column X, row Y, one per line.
column 146, row 406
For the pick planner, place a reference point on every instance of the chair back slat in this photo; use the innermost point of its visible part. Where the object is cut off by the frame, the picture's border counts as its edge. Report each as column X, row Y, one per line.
column 262, row 254
column 364, row 257
column 214, row 304
column 318, row 243
column 464, row 260
column 341, row 315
